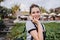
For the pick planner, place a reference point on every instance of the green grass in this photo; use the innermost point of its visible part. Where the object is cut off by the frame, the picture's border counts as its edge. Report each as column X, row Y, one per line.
column 17, row 31
column 52, row 31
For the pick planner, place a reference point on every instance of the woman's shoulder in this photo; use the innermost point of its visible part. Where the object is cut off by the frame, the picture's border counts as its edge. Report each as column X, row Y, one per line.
column 29, row 22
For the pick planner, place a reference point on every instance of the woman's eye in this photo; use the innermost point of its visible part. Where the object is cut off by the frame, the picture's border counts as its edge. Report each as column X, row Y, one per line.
column 33, row 12
column 37, row 11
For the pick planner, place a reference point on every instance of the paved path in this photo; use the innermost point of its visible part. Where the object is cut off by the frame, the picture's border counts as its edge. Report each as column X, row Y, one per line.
column 41, row 21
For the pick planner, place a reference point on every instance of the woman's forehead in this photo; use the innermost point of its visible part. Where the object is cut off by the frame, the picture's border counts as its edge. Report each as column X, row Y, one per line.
column 35, row 9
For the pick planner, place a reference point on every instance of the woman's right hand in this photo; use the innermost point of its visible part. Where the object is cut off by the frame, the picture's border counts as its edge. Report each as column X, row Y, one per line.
column 34, row 20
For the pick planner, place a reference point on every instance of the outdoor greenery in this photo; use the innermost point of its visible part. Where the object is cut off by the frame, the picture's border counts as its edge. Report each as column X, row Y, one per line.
column 17, row 32
column 43, row 10
column 1, row 0
column 14, row 9
column 52, row 31
column 4, row 12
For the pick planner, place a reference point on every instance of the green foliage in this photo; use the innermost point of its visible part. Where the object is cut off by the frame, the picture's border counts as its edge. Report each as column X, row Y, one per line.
column 43, row 10
column 4, row 12
column 17, row 31
column 52, row 31
column 1, row 0
column 2, row 25
column 15, row 8
column 11, row 17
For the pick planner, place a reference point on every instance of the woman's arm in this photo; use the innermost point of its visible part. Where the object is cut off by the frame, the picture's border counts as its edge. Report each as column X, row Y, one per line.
column 34, row 35
column 40, row 31
column 32, row 30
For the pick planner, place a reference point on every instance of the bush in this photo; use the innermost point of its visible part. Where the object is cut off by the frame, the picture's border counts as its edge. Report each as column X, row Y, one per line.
column 11, row 17
column 2, row 25
column 17, row 32
column 52, row 31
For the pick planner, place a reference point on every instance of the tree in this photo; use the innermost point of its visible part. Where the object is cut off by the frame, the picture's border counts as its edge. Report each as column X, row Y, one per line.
column 4, row 12
column 15, row 8
column 57, row 10
column 51, row 10
column 0, row 8
column 1, row 0
column 43, row 10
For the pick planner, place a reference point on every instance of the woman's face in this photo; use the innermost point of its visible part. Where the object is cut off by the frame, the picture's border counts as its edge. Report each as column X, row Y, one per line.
column 35, row 13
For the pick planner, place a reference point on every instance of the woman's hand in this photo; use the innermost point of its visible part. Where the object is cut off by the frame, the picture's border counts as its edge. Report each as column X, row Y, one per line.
column 35, row 20
column 40, row 29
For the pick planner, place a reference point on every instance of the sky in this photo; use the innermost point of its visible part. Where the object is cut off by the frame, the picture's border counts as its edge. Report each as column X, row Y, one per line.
column 25, row 4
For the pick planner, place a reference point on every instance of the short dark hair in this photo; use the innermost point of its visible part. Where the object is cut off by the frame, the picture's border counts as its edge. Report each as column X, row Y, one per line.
column 32, row 6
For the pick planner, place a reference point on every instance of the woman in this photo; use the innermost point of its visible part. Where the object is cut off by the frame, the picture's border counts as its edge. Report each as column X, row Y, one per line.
column 34, row 27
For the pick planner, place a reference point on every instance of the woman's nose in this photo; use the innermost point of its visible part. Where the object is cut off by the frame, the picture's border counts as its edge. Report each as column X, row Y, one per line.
column 36, row 14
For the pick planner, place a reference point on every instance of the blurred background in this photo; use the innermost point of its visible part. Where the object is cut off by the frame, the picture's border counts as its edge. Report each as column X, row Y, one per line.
column 15, row 13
